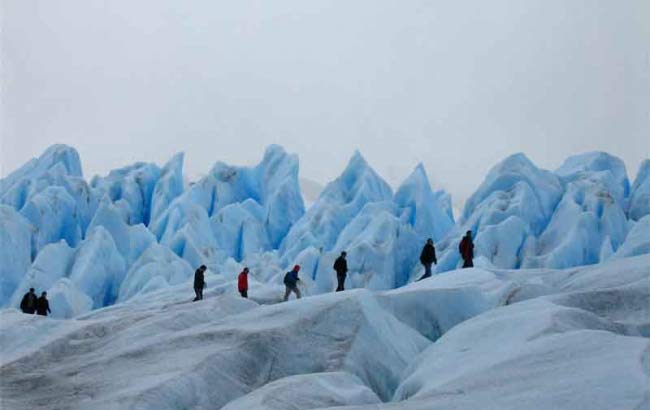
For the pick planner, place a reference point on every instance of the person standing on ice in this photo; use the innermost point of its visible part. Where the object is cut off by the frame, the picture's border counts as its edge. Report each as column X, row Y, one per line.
column 291, row 283
column 466, row 249
column 428, row 257
column 341, row 268
column 42, row 305
column 28, row 304
column 199, row 282
column 242, row 283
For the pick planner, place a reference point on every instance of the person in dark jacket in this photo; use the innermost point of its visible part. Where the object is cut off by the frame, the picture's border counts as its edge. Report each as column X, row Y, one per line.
column 341, row 268
column 199, row 282
column 291, row 283
column 242, row 283
column 428, row 257
column 28, row 304
column 466, row 249
column 42, row 305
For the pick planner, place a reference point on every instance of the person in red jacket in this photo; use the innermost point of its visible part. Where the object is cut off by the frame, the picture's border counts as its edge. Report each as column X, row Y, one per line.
column 242, row 283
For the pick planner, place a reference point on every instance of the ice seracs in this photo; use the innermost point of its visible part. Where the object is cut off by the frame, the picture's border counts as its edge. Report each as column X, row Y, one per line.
column 521, row 216
column 590, row 214
column 15, row 251
column 640, row 193
column 340, row 201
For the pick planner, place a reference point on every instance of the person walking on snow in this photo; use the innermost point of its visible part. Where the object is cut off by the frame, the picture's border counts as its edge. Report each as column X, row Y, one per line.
column 428, row 257
column 199, row 282
column 28, row 304
column 291, row 283
column 466, row 249
column 242, row 283
column 42, row 305
column 341, row 268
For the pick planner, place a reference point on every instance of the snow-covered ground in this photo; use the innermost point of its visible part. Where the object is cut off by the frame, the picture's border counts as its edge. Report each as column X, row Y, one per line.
column 475, row 338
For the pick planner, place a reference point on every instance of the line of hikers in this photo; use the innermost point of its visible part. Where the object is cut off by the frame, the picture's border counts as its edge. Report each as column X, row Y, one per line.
column 291, row 279
column 32, row 304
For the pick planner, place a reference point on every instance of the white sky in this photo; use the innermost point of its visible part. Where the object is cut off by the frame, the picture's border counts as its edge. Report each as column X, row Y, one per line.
column 457, row 85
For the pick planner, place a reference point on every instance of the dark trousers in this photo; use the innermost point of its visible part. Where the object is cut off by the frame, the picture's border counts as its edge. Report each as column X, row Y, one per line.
column 199, row 294
column 244, row 293
column 468, row 263
column 427, row 271
column 341, row 282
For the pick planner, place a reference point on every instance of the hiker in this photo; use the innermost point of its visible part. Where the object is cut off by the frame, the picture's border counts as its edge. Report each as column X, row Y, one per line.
column 42, row 305
column 341, row 268
column 291, row 282
column 28, row 304
column 242, row 283
column 199, row 282
column 466, row 249
column 428, row 257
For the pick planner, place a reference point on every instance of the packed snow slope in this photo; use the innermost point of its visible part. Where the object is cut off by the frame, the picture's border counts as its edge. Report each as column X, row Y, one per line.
column 141, row 228
column 569, row 339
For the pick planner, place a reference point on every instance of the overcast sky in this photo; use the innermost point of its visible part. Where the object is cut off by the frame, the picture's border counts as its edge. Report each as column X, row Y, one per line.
column 457, row 85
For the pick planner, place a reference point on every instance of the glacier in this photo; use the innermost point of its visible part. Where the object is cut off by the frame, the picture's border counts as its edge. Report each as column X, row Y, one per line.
column 481, row 337
column 149, row 217
column 554, row 315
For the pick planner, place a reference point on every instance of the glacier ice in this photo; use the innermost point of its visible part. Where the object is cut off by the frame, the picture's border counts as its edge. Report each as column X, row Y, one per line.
column 340, row 201
column 169, row 186
column 51, row 264
column 522, row 216
column 640, row 192
column 131, row 240
column 98, row 268
column 585, row 212
column 309, row 391
column 131, row 189
column 15, row 250
column 157, row 268
column 637, row 241
column 460, row 340
column 56, row 162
